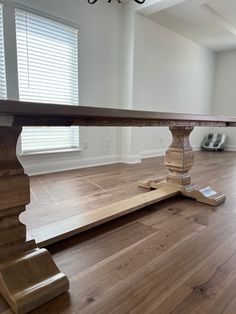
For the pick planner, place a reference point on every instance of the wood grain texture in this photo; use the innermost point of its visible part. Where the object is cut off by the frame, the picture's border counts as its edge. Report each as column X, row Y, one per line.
column 35, row 114
column 177, row 256
column 44, row 280
column 60, row 197
column 179, row 160
column 93, row 218
column 179, row 156
column 28, row 275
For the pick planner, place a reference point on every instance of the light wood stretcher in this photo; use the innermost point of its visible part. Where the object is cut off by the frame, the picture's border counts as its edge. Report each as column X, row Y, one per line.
column 28, row 275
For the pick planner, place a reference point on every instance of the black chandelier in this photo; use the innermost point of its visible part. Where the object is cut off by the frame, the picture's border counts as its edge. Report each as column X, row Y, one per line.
column 109, row 1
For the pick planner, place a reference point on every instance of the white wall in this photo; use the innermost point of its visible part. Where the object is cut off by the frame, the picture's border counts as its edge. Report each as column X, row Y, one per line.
column 224, row 100
column 125, row 61
column 172, row 74
column 99, row 76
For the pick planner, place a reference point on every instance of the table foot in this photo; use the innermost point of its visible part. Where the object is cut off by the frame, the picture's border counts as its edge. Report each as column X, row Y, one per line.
column 31, row 279
column 205, row 195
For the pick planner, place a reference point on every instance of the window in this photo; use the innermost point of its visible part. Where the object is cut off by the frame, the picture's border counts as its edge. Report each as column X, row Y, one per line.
column 47, row 56
column 3, row 91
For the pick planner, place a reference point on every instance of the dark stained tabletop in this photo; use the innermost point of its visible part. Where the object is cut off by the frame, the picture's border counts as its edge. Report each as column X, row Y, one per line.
column 39, row 114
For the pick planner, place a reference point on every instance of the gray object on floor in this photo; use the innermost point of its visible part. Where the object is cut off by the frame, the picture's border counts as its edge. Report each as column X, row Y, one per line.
column 214, row 141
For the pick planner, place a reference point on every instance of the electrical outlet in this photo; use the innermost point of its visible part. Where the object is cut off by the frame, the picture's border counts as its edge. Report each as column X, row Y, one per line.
column 107, row 143
column 85, row 144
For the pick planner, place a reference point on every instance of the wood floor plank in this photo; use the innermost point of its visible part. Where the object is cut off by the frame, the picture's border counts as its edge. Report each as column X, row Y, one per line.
column 115, row 239
column 163, row 273
column 226, row 304
column 97, row 279
column 71, row 226
column 205, row 286
column 177, row 256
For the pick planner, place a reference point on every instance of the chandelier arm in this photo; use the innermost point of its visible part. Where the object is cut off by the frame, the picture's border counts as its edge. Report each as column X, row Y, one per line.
column 92, row 1
column 109, row 1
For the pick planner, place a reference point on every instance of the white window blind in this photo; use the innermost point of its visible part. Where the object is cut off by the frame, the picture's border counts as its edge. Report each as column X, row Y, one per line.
column 47, row 55
column 2, row 59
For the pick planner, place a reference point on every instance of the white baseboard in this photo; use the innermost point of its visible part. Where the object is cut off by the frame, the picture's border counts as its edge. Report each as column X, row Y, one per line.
column 161, row 152
column 130, row 159
column 36, row 165
column 230, row 148
column 196, row 148
column 153, row 153
column 41, row 165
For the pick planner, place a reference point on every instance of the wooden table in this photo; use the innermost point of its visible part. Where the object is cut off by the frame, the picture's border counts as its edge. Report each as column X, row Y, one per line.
column 28, row 274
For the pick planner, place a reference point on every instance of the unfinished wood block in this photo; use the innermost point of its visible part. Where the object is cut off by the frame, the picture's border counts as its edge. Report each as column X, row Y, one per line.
column 28, row 275
column 150, row 183
column 31, row 279
column 14, row 191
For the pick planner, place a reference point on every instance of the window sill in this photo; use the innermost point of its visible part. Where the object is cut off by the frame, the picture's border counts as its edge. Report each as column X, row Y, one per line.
column 50, row 152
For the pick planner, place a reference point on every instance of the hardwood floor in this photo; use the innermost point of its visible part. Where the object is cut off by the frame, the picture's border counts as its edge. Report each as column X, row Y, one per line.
column 58, row 199
column 177, row 256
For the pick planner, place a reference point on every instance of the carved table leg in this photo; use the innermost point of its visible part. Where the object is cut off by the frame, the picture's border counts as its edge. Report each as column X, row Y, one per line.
column 28, row 275
column 179, row 160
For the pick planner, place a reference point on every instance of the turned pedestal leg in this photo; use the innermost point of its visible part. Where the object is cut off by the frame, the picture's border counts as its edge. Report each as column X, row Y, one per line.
column 28, row 275
column 179, row 160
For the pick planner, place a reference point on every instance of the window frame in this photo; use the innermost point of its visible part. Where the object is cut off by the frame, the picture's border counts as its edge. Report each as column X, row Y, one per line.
column 18, row 6
column 4, row 46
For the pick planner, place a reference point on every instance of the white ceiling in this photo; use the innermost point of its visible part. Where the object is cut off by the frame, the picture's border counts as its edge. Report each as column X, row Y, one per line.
column 210, row 23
